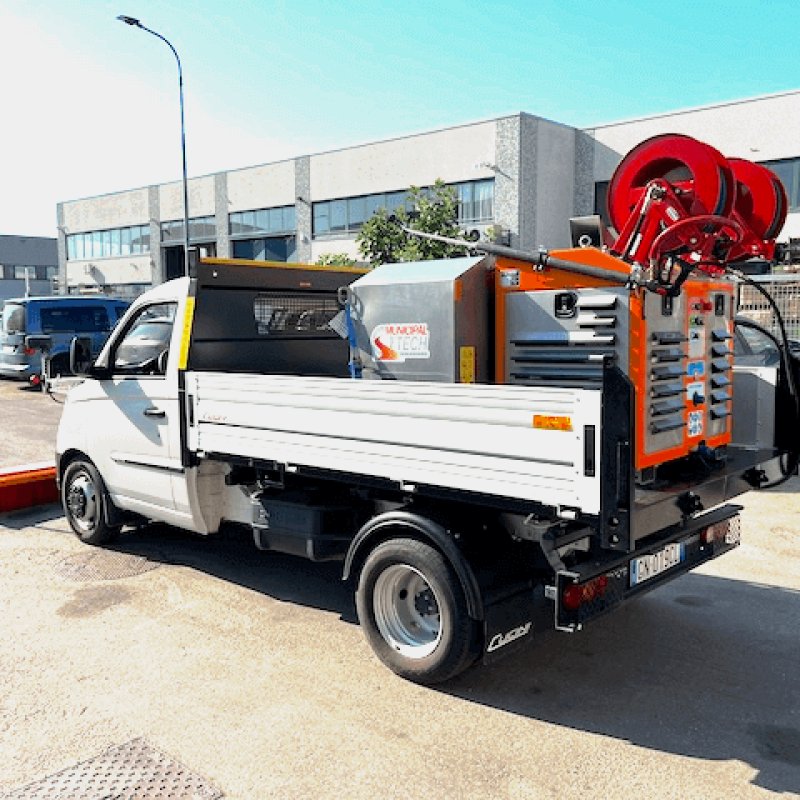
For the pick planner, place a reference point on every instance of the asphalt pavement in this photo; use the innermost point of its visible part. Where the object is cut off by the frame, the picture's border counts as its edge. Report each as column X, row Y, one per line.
column 248, row 669
column 28, row 422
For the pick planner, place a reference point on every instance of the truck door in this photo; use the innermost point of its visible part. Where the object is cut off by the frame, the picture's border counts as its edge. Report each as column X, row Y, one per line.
column 136, row 427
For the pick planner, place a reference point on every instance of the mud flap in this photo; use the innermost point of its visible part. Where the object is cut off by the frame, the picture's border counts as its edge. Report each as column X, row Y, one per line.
column 508, row 624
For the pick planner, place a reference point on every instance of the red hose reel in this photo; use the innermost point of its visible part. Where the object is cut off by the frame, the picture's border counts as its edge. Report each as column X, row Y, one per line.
column 674, row 199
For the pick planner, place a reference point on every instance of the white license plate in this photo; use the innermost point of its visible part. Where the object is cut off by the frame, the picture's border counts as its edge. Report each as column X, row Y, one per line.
column 9, row 348
column 646, row 567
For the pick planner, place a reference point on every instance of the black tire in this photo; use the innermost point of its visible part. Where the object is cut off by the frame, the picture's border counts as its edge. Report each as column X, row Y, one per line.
column 59, row 365
column 83, row 496
column 412, row 608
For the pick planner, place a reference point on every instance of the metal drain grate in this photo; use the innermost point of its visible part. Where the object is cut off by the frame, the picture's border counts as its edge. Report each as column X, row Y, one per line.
column 130, row 771
column 103, row 565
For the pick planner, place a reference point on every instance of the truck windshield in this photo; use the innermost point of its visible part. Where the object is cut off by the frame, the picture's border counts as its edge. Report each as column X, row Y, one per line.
column 13, row 318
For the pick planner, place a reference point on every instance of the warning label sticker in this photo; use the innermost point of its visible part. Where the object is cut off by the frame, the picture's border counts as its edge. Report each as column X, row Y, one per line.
column 399, row 341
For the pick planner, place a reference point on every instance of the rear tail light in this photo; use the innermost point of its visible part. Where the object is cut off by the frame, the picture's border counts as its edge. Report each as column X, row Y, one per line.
column 727, row 531
column 577, row 594
column 29, row 351
column 572, row 597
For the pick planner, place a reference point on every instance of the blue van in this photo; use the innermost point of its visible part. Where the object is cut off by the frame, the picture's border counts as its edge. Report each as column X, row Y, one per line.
column 60, row 318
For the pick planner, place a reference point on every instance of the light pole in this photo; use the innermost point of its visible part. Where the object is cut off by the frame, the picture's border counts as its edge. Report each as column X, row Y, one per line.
column 136, row 24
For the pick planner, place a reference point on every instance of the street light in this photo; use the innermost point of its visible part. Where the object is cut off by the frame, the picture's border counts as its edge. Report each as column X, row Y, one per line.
column 136, row 24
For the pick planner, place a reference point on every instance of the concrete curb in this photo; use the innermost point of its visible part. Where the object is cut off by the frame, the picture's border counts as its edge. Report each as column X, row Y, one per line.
column 26, row 486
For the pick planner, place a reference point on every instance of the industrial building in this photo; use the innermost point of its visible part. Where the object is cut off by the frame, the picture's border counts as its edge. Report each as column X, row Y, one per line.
column 28, row 265
column 524, row 174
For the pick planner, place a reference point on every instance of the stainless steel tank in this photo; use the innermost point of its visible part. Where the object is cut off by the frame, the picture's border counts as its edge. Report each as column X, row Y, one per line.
column 424, row 321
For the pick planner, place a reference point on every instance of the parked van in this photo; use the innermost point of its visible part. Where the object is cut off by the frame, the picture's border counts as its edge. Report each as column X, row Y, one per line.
column 60, row 319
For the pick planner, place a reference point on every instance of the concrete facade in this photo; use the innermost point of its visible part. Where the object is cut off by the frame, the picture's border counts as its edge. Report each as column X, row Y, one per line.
column 36, row 255
column 541, row 173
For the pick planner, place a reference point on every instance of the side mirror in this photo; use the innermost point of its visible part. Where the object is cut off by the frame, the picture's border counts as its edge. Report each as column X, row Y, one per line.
column 80, row 355
column 43, row 343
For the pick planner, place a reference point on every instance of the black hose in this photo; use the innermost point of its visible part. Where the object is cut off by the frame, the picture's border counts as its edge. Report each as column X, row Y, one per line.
column 783, row 350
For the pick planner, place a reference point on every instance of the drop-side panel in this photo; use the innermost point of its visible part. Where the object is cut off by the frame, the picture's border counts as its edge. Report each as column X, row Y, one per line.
column 479, row 438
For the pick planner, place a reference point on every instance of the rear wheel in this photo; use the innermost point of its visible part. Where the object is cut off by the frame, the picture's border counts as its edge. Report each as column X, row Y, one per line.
column 413, row 611
column 84, row 500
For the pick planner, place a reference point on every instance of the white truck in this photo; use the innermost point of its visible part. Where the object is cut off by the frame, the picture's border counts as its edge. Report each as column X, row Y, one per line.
column 470, row 443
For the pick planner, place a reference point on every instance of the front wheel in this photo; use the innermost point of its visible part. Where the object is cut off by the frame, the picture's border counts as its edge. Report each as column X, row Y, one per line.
column 83, row 498
column 413, row 611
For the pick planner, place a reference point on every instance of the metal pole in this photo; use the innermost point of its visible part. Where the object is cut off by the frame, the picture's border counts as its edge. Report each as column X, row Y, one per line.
column 135, row 22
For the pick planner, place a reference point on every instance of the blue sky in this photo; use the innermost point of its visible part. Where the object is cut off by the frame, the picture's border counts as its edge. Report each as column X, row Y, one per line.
column 91, row 104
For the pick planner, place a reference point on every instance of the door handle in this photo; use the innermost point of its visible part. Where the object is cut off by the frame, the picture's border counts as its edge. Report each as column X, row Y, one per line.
column 154, row 412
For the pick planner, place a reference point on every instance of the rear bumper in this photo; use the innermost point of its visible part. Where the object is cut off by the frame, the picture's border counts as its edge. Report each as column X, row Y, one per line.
column 18, row 366
column 621, row 577
column 19, row 371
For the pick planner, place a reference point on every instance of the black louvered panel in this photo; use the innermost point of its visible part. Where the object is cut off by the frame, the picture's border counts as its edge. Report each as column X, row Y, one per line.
column 668, row 337
column 720, row 412
column 667, row 371
column 554, row 373
column 573, row 355
column 664, row 407
column 666, row 424
column 666, row 354
column 670, row 389
column 562, row 356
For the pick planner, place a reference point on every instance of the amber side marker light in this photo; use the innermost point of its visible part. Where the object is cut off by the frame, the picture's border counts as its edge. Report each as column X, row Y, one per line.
column 551, row 422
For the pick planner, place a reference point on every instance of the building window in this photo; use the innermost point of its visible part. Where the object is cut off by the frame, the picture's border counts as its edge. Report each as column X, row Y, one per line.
column 133, row 240
column 18, row 272
column 475, row 203
column 267, row 248
column 788, row 170
column 601, row 201
column 263, row 221
column 200, row 229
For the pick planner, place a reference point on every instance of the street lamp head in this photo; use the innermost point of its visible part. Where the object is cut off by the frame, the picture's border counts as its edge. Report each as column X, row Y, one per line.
column 132, row 21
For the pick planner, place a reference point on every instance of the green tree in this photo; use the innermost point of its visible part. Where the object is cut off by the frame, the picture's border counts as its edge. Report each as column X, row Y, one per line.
column 382, row 239
column 335, row 260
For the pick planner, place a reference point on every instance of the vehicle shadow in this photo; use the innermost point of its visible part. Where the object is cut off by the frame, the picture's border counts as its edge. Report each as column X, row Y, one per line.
column 704, row 667
column 231, row 556
column 19, row 520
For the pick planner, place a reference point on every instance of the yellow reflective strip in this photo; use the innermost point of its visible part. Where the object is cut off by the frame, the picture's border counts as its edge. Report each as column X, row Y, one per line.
column 467, row 364
column 186, row 335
